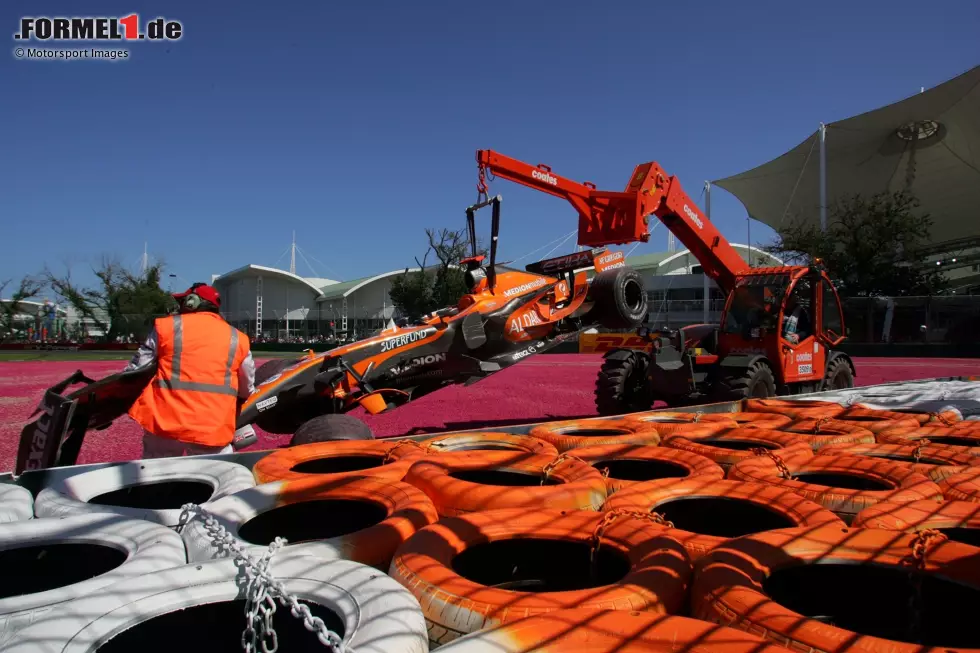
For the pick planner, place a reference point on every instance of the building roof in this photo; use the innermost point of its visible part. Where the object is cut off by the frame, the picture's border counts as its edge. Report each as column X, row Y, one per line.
column 930, row 139
column 255, row 270
column 346, row 288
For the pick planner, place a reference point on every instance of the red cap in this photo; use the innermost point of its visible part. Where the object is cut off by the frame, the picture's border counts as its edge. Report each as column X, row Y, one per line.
column 204, row 291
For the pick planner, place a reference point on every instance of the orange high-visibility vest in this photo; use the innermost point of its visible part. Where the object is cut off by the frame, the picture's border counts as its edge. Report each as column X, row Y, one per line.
column 193, row 396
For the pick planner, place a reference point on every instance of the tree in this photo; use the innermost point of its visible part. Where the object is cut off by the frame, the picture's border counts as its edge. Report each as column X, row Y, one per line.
column 14, row 306
column 416, row 293
column 870, row 246
column 122, row 303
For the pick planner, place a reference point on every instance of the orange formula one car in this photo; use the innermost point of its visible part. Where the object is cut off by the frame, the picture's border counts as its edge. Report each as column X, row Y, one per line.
column 507, row 316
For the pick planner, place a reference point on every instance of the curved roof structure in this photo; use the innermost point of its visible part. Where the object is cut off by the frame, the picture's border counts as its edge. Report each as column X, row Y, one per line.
column 346, row 288
column 929, row 143
column 670, row 266
column 261, row 269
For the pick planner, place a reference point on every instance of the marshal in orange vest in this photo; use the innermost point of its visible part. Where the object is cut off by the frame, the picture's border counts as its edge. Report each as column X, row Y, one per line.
column 193, row 396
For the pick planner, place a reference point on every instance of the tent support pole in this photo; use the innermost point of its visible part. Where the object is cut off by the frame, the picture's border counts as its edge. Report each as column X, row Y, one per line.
column 707, row 213
column 823, row 177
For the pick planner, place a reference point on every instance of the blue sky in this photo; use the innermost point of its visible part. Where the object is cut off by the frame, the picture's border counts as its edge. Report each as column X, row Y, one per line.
column 356, row 124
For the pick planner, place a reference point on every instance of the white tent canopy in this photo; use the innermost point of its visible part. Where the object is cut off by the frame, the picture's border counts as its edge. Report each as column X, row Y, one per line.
column 929, row 143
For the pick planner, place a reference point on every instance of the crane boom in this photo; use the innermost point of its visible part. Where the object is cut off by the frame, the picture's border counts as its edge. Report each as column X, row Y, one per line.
column 607, row 218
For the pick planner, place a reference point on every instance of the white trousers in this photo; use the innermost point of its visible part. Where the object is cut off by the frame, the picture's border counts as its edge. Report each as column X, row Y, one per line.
column 156, row 447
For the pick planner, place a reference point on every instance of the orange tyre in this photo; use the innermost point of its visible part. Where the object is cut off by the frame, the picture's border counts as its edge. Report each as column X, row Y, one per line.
column 961, row 434
column 877, row 420
column 843, row 484
column 935, row 461
column 625, row 465
column 498, row 566
column 728, row 448
column 337, row 459
column 856, row 579
column 957, row 520
column 864, row 413
column 488, row 441
column 703, row 513
column 824, row 432
column 569, row 434
column 460, row 483
column 801, row 409
column 361, row 519
column 964, row 486
column 772, row 421
column 669, row 423
column 609, row 631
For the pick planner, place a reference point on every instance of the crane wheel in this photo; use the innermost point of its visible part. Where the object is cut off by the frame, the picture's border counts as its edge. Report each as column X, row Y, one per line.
column 620, row 298
column 757, row 382
column 839, row 375
column 622, row 386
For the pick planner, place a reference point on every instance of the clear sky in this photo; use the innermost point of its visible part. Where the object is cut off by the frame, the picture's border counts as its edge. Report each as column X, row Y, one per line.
column 356, row 124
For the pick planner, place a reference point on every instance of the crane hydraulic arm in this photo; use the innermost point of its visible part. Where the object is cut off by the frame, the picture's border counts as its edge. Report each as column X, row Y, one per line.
column 607, row 218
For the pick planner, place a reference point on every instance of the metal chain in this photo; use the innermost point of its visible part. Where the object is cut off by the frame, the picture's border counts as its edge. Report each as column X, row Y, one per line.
column 263, row 589
column 611, row 516
column 389, row 455
column 939, row 417
column 780, row 463
column 482, row 189
column 697, row 416
column 557, row 462
column 920, row 545
column 919, row 446
column 818, row 424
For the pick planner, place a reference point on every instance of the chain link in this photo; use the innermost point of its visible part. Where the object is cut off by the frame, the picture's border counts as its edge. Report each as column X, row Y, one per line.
column 262, row 590
column 609, row 517
column 920, row 545
column 818, row 424
column 556, row 463
column 780, row 463
column 942, row 419
column 919, row 446
column 389, row 455
column 697, row 416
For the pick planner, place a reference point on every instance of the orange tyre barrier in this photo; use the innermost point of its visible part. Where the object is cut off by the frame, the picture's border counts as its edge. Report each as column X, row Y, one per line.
column 935, row 461
column 625, row 465
column 498, row 566
column 795, row 409
column 488, row 441
column 877, row 420
column 944, row 418
column 866, row 585
column 964, row 486
column 668, row 423
column 569, row 434
column 361, row 519
column 728, row 448
column 460, row 483
column 824, row 432
column 701, row 514
column 961, row 434
column 957, row 520
column 609, row 631
column 329, row 460
column 843, row 484
column 773, row 421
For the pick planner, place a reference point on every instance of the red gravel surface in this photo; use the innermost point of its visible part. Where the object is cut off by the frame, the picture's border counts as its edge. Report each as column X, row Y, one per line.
column 547, row 387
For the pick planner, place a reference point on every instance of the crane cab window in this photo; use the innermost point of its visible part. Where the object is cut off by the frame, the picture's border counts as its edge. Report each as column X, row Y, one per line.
column 798, row 314
column 833, row 323
column 755, row 304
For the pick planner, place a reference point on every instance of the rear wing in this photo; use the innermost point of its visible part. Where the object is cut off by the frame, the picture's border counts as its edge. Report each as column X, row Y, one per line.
column 600, row 259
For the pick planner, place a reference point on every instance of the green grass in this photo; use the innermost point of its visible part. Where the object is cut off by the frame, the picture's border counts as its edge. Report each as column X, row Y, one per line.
column 29, row 355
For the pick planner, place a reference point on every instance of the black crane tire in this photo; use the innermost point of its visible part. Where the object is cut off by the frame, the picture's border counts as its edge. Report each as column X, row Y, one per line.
column 839, row 375
column 757, row 382
column 621, row 386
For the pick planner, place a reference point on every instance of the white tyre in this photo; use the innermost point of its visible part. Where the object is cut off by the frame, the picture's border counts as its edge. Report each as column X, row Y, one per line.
column 16, row 503
column 48, row 562
column 201, row 607
column 153, row 489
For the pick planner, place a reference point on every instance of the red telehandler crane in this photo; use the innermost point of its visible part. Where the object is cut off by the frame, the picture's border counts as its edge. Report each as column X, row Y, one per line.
column 779, row 328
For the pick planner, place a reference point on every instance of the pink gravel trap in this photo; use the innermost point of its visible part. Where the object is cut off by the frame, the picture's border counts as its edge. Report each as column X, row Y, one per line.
column 533, row 391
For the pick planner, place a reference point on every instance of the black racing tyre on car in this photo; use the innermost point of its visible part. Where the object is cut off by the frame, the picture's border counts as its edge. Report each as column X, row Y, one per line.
column 839, row 375
column 756, row 382
column 326, row 428
column 269, row 369
column 620, row 298
column 622, row 386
